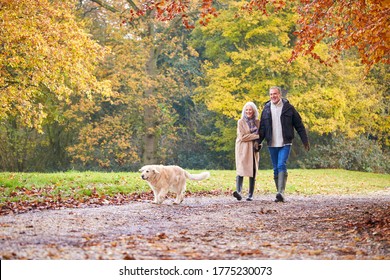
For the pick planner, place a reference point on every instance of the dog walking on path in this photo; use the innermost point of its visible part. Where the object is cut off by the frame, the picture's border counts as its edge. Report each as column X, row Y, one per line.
column 173, row 178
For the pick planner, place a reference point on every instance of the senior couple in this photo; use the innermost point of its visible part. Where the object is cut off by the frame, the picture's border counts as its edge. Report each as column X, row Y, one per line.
column 277, row 123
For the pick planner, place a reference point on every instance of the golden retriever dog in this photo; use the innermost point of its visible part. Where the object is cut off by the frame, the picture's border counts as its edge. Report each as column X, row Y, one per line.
column 162, row 179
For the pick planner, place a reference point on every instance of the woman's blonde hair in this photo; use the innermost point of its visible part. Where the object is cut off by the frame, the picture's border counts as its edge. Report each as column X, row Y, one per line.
column 254, row 108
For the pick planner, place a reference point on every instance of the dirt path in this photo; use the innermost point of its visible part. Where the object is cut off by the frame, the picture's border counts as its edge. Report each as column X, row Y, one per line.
column 214, row 227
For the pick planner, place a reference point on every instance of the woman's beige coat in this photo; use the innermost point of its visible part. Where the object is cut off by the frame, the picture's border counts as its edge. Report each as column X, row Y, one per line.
column 244, row 149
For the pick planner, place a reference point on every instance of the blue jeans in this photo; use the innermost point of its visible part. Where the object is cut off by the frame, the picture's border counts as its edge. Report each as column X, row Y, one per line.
column 279, row 157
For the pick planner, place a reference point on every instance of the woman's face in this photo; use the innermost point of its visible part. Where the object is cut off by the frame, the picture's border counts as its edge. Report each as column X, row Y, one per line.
column 249, row 111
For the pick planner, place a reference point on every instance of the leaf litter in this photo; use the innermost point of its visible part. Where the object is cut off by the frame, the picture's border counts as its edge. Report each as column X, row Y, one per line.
column 213, row 226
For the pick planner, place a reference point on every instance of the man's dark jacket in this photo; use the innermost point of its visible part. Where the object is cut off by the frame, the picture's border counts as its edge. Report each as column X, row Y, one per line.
column 290, row 119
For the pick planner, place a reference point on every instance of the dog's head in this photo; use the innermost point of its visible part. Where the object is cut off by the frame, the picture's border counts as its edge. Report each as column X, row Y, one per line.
column 148, row 172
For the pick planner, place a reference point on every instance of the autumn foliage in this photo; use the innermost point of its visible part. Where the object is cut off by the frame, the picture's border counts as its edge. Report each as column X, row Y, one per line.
column 39, row 62
column 168, row 10
column 342, row 24
column 111, row 84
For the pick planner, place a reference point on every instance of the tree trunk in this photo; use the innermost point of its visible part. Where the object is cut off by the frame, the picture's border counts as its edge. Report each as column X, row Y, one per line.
column 150, row 139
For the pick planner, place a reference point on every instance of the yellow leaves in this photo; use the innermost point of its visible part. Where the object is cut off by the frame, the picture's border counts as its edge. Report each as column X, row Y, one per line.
column 325, row 116
column 192, row 51
column 337, row 99
column 45, row 49
column 219, row 95
column 106, row 143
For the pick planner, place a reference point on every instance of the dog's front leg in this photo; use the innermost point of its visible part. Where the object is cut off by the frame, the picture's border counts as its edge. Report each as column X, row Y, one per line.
column 161, row 196
column 155, row 194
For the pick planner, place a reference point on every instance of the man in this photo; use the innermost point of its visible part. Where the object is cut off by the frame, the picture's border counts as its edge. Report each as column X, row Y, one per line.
column 277, row 123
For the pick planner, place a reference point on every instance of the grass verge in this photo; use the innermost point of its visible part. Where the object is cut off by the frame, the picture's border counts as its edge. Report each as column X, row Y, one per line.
column 35, row 186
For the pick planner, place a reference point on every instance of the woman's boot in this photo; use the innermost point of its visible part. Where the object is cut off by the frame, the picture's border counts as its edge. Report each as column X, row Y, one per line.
column 237, row 193
column 251, row 188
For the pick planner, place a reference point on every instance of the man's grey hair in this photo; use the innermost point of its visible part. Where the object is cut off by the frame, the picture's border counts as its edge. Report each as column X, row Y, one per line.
column 278, row 88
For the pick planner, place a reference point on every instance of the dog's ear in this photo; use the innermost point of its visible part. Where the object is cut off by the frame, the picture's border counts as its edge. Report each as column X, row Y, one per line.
column 155, row 170
column 142, row 169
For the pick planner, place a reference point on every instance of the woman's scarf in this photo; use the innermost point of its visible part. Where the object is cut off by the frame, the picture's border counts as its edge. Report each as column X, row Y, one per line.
column 252, row 124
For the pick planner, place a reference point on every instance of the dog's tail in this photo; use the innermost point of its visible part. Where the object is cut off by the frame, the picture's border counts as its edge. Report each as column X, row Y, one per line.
column 197, row 177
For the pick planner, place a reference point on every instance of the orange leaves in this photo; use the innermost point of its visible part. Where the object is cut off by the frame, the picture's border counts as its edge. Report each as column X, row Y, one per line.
column 50, row 197
column 357, row 24
column 342, row 25
column 167, row 10
column 207, row 12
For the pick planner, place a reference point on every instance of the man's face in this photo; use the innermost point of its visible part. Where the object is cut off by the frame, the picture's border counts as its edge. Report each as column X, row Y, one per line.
column 275, row 95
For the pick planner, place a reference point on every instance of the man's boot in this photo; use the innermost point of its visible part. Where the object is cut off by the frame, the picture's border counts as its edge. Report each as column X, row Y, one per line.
column 282, row 180
column 276, row 182
column 237, row 193
column 251, row 188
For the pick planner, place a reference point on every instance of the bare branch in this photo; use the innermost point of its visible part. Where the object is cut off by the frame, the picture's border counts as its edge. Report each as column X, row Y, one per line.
column 133, row 5
column 105, row 6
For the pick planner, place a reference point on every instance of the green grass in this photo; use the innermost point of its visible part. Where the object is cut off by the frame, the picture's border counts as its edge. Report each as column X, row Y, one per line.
column 68, row 184
column 35, row 186
column 305, row 181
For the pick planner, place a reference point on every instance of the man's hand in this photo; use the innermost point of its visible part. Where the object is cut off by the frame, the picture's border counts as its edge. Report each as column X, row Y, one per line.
column 257, row 146
column 307, row 146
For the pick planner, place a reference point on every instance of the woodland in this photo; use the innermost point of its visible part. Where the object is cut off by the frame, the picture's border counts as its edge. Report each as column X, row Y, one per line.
column 98, row 88
column 110, row 85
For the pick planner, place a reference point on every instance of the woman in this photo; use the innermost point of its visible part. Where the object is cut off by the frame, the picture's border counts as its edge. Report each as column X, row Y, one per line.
column 247, row 156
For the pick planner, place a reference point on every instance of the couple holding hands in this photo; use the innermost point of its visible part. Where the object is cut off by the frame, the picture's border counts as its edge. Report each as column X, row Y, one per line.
column 277, row 123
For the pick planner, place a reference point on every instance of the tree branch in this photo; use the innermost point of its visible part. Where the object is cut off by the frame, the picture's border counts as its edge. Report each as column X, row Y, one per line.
column 131, row 2
column 106, row 6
